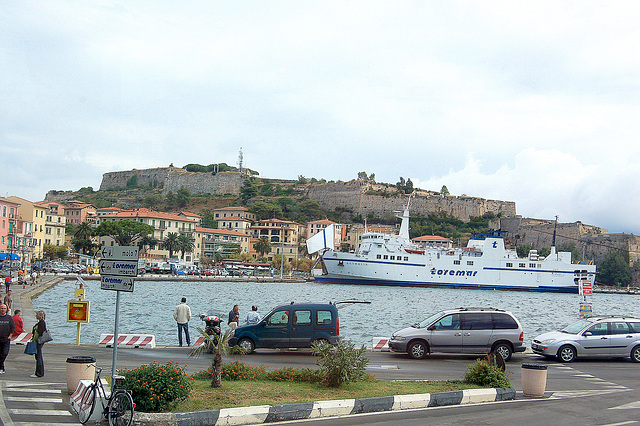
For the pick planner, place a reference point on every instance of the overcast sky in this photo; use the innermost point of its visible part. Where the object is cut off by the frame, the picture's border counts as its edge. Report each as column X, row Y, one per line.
column 532, row 102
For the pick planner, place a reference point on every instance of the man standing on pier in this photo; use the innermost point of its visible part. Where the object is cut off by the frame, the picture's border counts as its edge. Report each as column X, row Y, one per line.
column 182, row 315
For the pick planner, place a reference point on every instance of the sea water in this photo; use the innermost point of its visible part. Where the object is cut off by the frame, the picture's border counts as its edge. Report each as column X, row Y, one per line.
column 149, row 308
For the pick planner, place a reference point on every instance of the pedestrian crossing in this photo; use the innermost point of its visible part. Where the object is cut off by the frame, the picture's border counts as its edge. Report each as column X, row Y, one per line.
column 30, row 403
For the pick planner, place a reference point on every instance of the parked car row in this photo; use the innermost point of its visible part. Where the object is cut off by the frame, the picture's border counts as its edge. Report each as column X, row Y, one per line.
column 462, row 330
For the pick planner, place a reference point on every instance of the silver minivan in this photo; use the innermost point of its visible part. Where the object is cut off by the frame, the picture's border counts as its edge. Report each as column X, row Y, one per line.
column 462, row 330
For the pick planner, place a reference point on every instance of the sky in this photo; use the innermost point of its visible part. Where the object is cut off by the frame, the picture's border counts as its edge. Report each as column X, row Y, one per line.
column 532, row 102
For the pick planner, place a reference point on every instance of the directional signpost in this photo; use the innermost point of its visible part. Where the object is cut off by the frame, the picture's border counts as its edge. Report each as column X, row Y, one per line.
column 118, row 267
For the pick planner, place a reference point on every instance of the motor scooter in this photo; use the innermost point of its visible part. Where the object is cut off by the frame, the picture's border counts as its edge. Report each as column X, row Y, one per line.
column 212, row 326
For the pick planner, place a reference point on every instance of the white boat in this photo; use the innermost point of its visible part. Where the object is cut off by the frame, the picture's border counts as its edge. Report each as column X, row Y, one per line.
column 394, row 260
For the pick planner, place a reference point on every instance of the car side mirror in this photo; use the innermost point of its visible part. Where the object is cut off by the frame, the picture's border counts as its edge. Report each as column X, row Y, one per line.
column 431, row 327
column 263, row 324
column 588, row 333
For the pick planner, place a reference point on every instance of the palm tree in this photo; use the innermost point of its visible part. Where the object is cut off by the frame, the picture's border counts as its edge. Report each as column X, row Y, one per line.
column 186, row 244
column 171, row 243
column 218, row 346
column 148, row 241
column 262, row 246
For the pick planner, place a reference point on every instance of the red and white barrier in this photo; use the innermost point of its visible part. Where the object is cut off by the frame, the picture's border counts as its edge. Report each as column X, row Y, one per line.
column 75, row 400
column 380, row 344
column 22, row 338
column 199, row 341
column 129, row 340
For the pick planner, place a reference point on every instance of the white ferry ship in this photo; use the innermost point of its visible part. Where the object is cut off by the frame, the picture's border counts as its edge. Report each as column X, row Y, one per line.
column 394, row 260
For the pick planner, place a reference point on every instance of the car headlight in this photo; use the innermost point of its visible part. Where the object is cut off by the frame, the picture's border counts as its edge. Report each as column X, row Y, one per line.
column 398, row 338
column 548, row 341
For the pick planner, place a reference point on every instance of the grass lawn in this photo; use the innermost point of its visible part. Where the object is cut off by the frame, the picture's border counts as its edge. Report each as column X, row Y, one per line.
column 243, row 393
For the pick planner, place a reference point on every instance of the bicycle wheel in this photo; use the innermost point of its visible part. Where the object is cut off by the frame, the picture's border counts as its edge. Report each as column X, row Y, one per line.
column 120, row 409
column 87, row 403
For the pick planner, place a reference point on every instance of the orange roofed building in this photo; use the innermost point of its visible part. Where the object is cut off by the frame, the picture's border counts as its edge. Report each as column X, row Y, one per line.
column 162, row 223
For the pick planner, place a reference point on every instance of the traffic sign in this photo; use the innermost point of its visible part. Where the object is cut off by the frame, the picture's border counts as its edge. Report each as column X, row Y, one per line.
column 126, row 268
column 586, row 288
column 78, row 311
column 117, row 283
column 119, row 252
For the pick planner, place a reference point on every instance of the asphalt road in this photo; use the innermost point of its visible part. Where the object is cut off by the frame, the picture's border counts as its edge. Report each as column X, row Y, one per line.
column 598, row 392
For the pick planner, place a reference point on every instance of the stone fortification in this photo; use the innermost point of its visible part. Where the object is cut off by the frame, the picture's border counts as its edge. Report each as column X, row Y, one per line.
column 172, row 179
column 146, row 177
column 363, row 199
column 204, row 183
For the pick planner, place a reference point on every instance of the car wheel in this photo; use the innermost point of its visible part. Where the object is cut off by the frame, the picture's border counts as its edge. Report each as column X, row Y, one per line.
column 418, row 350
column 635, row 354
column 504, row 350
column 566, row 353
column 247, row 345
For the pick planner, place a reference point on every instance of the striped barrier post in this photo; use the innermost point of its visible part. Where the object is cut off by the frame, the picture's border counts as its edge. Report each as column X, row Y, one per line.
column 129, row 340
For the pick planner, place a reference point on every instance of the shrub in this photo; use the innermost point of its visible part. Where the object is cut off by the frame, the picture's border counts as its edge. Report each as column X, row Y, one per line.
column 156, row 387
column 340, row 363
column 482, row 373
column 289, row 374
column 237, row 370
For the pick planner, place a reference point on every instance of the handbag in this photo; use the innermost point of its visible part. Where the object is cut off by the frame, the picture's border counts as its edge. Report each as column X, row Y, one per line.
column 31, row 348
column 46, row 337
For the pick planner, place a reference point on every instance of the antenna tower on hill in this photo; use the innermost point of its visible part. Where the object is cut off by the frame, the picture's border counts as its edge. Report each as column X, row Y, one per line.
column 240, row 160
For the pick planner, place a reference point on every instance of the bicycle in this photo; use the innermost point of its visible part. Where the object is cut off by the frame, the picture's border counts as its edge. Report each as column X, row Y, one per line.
column 118, row 408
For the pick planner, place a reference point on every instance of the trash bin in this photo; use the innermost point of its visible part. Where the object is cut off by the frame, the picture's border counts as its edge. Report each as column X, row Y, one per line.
column 79, row 368
column 534, row 380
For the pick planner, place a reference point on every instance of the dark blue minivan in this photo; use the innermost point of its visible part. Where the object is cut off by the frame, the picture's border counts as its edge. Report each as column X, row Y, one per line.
column 297, row 325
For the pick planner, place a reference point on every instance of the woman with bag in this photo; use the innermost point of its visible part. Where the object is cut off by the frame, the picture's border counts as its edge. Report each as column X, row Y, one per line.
column 39, row 331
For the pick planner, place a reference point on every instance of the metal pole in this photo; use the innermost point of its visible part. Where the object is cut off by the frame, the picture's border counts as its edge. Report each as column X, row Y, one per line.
column 115, row 341
column 282, row 253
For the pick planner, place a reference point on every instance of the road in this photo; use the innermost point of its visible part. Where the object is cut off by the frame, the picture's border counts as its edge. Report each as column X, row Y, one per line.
column 605, row 392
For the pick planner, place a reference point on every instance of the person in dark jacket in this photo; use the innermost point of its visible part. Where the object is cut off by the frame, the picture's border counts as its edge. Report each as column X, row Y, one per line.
column 38, row 330
column 7, row 328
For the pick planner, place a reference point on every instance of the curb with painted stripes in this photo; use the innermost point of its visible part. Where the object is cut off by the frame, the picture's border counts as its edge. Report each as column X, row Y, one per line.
column 310, row 410
column 129, row 340
column 22, row 338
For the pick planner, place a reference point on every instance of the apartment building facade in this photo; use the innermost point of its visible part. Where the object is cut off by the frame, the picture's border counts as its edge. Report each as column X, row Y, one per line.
column 285, row 238
column 78, row 212
column 34, row 213
column 223, row 242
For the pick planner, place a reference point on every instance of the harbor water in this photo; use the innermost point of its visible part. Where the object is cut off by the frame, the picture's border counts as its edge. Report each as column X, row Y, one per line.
column 149, row 309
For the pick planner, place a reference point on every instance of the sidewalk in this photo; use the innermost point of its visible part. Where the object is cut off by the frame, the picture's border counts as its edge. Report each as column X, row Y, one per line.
column 23, row 293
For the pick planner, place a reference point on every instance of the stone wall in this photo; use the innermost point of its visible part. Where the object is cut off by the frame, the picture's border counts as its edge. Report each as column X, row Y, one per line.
column 146, row 177
column 204, row 183
column 363, row 199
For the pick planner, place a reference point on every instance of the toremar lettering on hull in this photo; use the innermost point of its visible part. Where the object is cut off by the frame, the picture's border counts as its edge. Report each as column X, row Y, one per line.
column 453, row 272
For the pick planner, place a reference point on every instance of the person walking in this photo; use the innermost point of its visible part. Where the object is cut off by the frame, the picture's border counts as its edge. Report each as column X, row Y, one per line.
column 7, row 282
column 8, row 301
column 182, row 315
column 253, row 317
column 18, row 324
column 234, row 317
column 7, row 328
column 38, row 330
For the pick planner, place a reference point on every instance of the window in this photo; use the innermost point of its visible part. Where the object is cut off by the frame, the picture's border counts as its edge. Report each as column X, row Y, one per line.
column 278, row 318
column 532, row 265
column 619, row 328
column 521, row 265
column 598, row 329
column 324, row 317
column 469, row 262
column 503, row 322
column 509, row 265
column 301, row 318
column 385, row 257
column 450, row 322
column 406, row 258
column 393, row 258
column 379, row 256
column 456, row 262
column 476, row 321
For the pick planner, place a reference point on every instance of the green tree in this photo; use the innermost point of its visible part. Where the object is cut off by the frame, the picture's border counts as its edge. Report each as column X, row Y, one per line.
column 266, row 210
column 171, row 243
column 209, row 219
column 125, row 232
column 132, row 182
column 523, row 249
column 400, row 185
column 262, row 246
column 249, row 188
column 183, row 197
column 311, row 210
column 363, row 176
column 147, row 242
column 186, row 244
column 615, row 270
column 408, row 188
column 576, row 254
column 218, row 346
column 152, row 201
column 444, row 190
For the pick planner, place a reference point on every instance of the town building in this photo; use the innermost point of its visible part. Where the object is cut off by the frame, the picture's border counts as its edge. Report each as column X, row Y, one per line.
column 227, row 212
column 284, row 236
column 426, row 241
column 339, row 233
column 78, row 212
column 33, row 213
column 16, row 243
column 223, row 242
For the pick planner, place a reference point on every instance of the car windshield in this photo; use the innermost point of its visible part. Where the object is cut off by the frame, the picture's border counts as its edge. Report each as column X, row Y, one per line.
column 574, row 328
column 425, row 323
